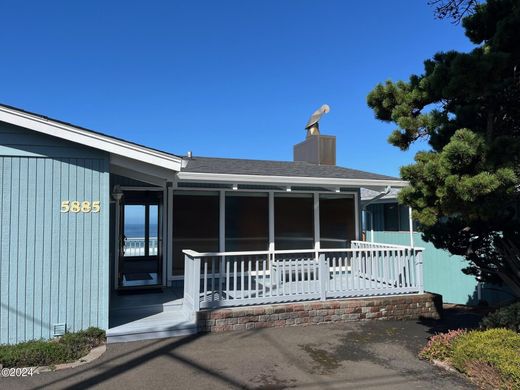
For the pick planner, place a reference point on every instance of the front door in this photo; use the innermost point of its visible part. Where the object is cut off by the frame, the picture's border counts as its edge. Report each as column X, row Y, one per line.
column 140, row 243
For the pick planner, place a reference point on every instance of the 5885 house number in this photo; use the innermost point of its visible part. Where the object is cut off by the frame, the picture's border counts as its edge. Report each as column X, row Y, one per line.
column 75, row 206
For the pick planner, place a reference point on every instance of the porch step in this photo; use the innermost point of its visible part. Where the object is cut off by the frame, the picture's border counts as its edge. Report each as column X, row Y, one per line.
column 149, row 324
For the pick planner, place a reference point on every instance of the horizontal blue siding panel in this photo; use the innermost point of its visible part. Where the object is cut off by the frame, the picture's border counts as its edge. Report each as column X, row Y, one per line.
column 53, row 266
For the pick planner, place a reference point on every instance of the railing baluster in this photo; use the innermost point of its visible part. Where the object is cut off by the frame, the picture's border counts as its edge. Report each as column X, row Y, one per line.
column 249, row 277
column 228, row 274
column 264, row 265
column 257, row 276
column 212, row 278
column 205, row 279
column 235, row 261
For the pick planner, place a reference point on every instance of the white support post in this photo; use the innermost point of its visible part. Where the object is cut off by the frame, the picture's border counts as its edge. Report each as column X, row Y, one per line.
column 271, row 224
column 117, row 245
column 410, row 221
column 222, row 234
column 317, row 243
column 196, row 284
column 324, row 276
column 169, row 237
column 222, row 222
column 419, row 270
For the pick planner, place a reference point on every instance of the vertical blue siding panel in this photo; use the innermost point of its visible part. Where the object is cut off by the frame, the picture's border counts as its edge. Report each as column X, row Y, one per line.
column 104, row 224
column 95, row 263
column 64, row 239
column 47, row 250
column 22, row 250
column 71, row 258
column 53, row 266
column 80, row 242
column 38, row 249
column 87, row 247
column 30, row 292
column 4, row 250
column 55, row 242
column 13, row 250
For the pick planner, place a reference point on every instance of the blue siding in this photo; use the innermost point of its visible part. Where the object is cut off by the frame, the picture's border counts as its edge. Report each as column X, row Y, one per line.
column 53, row 265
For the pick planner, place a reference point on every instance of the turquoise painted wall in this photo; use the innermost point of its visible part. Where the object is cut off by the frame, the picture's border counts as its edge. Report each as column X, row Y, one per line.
column 443, row 273
column 53, row 265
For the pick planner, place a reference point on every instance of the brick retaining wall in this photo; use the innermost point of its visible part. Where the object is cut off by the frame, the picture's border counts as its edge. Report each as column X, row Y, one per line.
column 409, row 307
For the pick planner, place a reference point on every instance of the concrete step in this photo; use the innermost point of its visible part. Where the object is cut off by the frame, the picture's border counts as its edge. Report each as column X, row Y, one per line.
column 143, row 325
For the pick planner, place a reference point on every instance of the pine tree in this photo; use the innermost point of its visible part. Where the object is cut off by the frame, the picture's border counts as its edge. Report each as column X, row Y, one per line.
column 465, row 190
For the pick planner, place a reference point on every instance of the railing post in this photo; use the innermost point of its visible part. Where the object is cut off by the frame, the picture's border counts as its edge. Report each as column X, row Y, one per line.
column 196, row 284
column 324, row 275
column 419, row 270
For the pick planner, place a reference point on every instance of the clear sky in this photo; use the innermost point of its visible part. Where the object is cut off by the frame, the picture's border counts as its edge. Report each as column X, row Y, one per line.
column 221, row 78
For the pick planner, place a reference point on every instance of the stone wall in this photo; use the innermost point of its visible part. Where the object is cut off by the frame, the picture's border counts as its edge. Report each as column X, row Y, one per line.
column 409, row 307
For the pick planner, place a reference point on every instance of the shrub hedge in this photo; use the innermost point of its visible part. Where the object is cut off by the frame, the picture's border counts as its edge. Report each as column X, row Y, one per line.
column 67, row 348
column 499, row 348
column 490, row 357
column 506, row 317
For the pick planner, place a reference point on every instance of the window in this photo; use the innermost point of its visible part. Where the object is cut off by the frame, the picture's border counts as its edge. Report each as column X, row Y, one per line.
column 294, row 221
column 391, row 216
column 195, row 225
column 247, row 222
column 404, row 219
column 337, row 221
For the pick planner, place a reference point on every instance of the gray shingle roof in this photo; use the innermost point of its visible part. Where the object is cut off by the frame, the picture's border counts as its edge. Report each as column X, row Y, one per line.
column 367, row 194
column 276, row 168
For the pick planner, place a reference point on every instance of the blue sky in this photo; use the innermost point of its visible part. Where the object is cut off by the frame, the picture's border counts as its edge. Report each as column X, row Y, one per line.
column 221, row 78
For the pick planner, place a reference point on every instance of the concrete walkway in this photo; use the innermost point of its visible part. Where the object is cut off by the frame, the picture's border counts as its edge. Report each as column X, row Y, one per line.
column 369, row 355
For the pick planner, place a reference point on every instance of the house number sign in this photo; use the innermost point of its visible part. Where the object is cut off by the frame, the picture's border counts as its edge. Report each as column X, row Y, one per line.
column 75, row 206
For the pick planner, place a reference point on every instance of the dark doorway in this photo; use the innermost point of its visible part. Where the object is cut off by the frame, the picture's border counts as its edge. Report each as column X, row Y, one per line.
column 140, row 249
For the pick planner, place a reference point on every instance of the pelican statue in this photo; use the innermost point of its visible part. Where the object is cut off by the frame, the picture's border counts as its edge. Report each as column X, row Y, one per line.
column 313, row 127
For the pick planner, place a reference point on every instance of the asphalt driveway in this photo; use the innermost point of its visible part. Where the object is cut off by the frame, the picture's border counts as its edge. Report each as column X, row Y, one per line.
column 368, row 355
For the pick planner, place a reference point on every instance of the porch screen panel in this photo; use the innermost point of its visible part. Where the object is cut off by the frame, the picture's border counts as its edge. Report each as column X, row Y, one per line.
column 195, row 225
column 247, row 222
column 337, row 221
column 294, row 221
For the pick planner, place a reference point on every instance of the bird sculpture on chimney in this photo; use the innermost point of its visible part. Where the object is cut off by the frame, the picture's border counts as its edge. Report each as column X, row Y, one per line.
column 313, row 127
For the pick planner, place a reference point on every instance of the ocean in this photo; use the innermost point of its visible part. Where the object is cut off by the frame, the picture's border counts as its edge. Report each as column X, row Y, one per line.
column 137, row 230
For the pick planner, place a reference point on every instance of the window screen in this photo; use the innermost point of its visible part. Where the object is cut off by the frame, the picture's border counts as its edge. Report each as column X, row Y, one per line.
column 195, row 225
column 247, row 222
column 294, row 221
column 337, row 221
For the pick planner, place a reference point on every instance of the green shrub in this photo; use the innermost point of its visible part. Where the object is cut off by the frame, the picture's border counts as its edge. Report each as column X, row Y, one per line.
column 499, row 348
column 440, row 346
column 68, row 348
column 506, row 317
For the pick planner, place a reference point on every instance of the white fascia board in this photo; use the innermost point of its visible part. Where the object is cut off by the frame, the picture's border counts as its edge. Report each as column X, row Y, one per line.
column 89, row 138
column 286, row 180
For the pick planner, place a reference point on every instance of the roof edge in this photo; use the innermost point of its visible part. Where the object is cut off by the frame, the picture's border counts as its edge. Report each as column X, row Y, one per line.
column 287, row 180
column 89, row 138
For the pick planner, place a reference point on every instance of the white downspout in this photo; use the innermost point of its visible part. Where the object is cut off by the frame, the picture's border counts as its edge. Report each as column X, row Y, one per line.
column 364, row 209
column 411, row 226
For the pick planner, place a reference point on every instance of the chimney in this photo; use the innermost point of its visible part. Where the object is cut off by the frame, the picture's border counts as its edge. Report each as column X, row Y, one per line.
column 317, row 149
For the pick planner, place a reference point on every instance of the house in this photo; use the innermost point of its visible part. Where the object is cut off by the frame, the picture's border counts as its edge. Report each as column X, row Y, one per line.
column 99, row 231
column 388, row 222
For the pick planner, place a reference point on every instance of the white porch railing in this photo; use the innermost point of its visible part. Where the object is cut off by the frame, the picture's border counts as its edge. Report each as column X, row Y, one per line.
column 135, row 246
column 250, row 278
